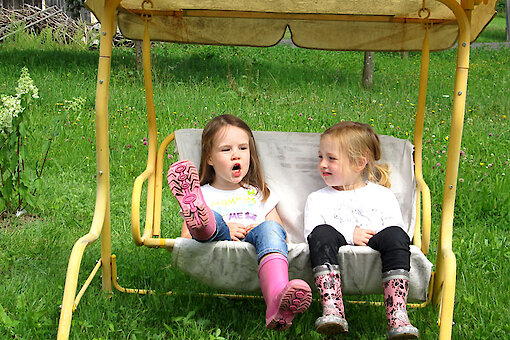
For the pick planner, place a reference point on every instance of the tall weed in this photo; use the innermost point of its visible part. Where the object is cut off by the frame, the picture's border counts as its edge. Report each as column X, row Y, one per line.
column 20, row 176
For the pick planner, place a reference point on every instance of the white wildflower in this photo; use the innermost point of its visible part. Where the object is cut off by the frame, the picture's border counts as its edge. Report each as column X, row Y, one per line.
column 5, row 119
column 11, row 107
column 26, row 85
column 75, row 105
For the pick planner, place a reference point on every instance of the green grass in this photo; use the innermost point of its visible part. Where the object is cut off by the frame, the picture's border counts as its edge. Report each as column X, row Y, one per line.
column 278, row 88
column 495, row 31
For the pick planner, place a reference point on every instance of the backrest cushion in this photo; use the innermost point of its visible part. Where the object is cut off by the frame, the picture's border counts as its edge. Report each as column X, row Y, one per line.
column 290, row 161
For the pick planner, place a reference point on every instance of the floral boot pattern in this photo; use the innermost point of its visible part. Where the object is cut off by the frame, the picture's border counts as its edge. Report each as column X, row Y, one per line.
column 395, row 299
column 328, row 282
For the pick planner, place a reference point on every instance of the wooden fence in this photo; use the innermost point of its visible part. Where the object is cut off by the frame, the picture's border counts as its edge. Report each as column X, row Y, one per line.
column 11, row 4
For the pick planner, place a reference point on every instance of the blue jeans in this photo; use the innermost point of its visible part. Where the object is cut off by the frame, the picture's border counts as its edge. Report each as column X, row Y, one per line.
column 268, row 237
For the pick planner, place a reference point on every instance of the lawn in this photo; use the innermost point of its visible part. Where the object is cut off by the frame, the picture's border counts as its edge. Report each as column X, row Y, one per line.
column 495, row 30
column 279, row 88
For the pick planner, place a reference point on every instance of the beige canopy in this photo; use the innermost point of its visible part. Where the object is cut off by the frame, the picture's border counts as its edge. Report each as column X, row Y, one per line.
column 362, row 25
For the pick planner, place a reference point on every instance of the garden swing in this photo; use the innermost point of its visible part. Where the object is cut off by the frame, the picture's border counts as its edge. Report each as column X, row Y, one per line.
column 363, row 25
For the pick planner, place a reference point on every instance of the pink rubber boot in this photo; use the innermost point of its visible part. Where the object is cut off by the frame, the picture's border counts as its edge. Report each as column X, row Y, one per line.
column 185, row 185
column 329, row 284
column 396, row 287
column 284, row 299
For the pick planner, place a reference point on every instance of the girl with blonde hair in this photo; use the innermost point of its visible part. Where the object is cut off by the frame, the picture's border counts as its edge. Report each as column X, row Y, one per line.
column 356, row 208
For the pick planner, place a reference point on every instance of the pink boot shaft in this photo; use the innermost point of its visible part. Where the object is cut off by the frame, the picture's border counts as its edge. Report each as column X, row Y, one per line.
column 283, row 299
column 396, row 288
column 328, row 282
column 185, row 185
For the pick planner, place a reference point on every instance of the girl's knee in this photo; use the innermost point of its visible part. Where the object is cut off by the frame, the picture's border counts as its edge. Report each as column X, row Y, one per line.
column 397, row 235
column 217, row 216
column 322, row 233
column 272, row 228
column 269, row 237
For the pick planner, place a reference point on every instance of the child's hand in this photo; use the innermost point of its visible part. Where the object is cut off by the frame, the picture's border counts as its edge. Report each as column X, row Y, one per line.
column 361, row 236
column 237, row 231
column 250, row 227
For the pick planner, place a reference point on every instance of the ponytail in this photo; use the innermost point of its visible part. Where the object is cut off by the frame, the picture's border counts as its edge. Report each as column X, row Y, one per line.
column 379, row 173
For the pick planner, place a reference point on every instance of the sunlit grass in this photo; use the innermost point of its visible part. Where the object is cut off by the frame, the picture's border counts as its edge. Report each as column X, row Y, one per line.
column 495, row 31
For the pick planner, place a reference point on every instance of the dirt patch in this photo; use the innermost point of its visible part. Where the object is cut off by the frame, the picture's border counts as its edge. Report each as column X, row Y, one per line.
column 8, row 222
column 493, row 45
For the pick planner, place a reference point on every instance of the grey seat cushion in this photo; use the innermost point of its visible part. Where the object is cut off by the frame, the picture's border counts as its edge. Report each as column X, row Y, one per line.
column 289, row 160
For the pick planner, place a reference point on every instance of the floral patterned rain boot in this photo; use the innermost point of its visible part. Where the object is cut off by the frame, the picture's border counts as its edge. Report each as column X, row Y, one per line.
column 327, row 280
column 396, row 288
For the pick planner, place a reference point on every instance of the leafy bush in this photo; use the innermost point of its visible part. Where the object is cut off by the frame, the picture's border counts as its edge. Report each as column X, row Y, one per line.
column 500, row 7
column 19, row 181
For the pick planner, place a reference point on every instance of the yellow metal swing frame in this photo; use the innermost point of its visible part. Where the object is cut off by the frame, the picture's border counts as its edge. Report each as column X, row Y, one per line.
column 461, row 13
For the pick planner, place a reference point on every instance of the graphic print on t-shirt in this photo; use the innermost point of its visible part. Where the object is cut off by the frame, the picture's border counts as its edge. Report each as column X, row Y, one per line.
column 243, row 207
column 354, row 215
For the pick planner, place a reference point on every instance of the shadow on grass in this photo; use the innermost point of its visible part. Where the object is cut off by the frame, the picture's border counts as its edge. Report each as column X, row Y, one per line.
column 195, row 65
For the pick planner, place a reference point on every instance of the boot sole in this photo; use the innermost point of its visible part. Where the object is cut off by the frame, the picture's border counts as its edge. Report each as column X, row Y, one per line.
column 331, row 325
column 403, row 332
column 295, row 298
column 184, row 183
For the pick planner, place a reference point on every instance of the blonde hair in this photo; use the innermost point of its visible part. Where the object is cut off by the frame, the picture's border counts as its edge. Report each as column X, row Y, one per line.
column 255, row 175
column 360, row 142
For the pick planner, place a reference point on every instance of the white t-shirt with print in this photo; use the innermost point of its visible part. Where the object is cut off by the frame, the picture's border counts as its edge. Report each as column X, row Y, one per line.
column 242, row 205
column 370, row 207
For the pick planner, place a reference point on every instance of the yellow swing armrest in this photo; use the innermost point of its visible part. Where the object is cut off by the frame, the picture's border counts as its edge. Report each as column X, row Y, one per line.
column 153, row 218
column 135, row 207
column 159, row 183
column 149, row 173
column 424, row 215
column 421, row 237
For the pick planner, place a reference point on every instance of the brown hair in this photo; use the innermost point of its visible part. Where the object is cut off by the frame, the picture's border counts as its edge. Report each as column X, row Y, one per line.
column 358, row 141
column 255, row 175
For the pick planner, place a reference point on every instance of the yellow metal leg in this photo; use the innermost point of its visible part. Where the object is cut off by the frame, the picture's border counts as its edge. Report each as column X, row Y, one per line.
column 101, row 220
column 448, row 294
column 86, row 285
column 444, row 286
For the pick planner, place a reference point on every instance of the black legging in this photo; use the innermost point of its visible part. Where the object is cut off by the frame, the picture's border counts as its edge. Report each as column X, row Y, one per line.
column 392, row 242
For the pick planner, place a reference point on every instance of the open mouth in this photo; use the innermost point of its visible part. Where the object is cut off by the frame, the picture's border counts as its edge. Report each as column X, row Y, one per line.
column 236, row 170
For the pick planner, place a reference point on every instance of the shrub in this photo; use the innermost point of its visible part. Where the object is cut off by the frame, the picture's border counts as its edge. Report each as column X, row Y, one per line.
column 19, row 181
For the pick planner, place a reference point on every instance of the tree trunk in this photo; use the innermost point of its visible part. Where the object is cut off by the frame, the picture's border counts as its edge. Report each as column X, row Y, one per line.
column 138, row 53
column 507, row 20
column 368, row 70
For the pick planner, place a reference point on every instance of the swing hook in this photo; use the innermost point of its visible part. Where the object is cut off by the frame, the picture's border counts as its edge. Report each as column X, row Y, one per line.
column 145, row 11
column 424, row 13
